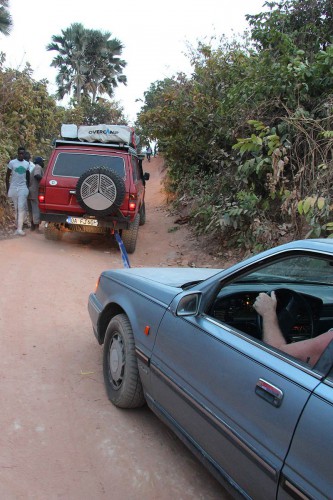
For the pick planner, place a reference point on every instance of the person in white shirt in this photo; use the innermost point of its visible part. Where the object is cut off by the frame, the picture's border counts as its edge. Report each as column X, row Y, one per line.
column 17, row 182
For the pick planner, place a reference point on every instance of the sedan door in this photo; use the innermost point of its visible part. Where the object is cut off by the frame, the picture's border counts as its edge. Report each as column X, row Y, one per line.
column 232, row 397
column 308, row 469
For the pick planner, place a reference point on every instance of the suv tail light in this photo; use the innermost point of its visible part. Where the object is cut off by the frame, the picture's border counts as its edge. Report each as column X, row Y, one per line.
column 41, row 196
column 132, row 202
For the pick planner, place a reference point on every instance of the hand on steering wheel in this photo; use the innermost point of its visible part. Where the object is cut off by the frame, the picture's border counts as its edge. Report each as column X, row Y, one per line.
column 289, row 304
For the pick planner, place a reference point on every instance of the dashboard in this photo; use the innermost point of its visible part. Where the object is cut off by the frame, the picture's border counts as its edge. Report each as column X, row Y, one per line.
column 236, row 310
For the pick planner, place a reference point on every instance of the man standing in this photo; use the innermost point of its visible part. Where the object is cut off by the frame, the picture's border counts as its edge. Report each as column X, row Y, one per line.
column 35, row 177
column 27, row 157
column 148, row 152
column 17, row 182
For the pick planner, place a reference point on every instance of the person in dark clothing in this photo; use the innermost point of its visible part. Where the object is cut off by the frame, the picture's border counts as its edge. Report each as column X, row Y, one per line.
column 35, row 177
column 148, row 152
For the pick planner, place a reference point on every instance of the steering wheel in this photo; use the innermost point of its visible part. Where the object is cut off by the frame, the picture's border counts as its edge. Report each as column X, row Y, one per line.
column 289, row 304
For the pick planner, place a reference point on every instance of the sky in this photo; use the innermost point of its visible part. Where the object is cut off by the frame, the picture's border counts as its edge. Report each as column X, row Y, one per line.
column 155, row 35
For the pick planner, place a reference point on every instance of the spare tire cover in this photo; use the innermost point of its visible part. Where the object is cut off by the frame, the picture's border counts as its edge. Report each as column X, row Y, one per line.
column 99, row 190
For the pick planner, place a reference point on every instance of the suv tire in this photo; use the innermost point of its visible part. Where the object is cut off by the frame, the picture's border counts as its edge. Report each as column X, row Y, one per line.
column 99, row 190
column 130, row 236
column 51, row 232
column 142, row 213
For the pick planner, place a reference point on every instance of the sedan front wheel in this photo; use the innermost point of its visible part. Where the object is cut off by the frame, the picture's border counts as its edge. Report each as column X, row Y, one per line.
column 120, row 367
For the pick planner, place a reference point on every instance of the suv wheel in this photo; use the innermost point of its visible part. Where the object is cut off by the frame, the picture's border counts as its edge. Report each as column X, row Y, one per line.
column 99, row 190
column 130, row 236
column 142, row 214
column 51, row 232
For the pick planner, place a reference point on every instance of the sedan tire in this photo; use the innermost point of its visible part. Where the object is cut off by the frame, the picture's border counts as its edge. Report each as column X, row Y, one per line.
column 120, row 367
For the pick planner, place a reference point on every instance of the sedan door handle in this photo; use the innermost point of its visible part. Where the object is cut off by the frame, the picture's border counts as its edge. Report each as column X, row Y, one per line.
column 269, row 392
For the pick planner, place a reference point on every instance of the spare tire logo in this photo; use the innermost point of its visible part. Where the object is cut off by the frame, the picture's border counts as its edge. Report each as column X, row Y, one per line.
column 99, row 189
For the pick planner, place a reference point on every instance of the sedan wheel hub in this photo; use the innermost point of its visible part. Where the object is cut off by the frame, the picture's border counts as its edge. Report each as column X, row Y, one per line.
column 116, row 359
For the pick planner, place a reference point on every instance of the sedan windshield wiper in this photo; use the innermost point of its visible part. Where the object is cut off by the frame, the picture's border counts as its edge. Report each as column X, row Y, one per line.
column 189, row 284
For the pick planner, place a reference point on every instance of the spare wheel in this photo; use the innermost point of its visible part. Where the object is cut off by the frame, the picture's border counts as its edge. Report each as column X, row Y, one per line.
column 99, row 190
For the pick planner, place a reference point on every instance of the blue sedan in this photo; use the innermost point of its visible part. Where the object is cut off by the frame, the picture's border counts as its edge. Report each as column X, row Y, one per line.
column 189, row 343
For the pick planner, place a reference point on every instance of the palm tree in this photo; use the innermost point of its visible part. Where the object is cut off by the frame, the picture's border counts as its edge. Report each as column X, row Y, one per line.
column 71, row 47
column 105, row 64
column 6, row 22
column 89, row 62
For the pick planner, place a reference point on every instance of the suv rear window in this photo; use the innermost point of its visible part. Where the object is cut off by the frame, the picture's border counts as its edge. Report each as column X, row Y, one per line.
column 74, row 164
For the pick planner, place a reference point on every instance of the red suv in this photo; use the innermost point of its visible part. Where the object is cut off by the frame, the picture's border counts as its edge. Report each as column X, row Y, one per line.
column 95, row 187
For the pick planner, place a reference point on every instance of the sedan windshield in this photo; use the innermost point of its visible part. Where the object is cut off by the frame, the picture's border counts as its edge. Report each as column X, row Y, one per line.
column 301, row 269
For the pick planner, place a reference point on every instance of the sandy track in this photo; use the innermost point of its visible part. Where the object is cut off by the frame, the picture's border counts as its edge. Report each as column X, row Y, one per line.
column 60, row 436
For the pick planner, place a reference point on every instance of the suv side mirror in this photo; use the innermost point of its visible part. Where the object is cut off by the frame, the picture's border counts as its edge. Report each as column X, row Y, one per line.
column 146, row 176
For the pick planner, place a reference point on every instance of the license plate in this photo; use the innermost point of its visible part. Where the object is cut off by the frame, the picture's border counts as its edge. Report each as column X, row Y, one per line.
column 81, row 221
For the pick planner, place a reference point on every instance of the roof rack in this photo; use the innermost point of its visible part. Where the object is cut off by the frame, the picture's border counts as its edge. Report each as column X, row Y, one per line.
column 70, row 142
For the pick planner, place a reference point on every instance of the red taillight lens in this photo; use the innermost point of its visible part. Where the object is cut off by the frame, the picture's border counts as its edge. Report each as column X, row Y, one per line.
column 132, row 206
column 41, row 198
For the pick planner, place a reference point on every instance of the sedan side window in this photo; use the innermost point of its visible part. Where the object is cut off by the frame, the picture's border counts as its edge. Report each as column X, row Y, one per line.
column 303, row 291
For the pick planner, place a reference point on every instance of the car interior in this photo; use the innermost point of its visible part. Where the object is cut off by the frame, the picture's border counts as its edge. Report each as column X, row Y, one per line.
column 303, row 285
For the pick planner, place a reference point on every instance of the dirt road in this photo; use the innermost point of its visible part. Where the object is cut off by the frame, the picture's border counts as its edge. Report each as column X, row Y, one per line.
column 60, row 436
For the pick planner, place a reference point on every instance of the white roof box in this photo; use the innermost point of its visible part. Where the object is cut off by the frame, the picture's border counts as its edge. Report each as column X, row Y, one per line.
column 69, row 131
column 116, row 134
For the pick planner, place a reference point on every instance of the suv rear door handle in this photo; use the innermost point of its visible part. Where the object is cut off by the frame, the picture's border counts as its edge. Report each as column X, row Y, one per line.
column 72, row 191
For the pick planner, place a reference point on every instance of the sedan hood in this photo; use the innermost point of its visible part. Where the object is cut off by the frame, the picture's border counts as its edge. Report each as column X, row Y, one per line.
column 171, row 276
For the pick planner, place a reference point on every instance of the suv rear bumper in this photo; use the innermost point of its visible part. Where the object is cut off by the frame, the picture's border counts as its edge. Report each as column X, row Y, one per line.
column 115, row 222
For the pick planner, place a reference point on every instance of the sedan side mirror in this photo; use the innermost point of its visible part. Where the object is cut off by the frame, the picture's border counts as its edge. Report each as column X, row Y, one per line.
column 189, row 305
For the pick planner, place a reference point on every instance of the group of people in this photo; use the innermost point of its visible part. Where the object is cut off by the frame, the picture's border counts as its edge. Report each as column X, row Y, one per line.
column 22, row 180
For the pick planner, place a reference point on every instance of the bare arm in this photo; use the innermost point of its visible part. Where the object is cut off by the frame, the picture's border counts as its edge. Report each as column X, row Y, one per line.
column 265, row 305
column 308, row 350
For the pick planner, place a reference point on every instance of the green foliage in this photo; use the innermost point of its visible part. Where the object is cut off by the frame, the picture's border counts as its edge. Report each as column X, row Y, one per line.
column 316, row 210
column 28, row 117
column 248, row 137
column 93, row 113
column 307, row 24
